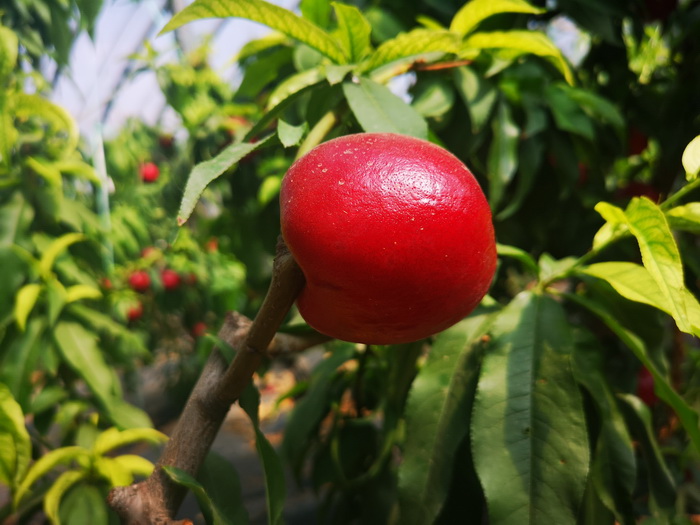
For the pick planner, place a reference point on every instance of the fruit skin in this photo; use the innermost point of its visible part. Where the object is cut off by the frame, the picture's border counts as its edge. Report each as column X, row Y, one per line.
column 393, row 234
column 170, row 278
column 140, row 281
column 149, row 172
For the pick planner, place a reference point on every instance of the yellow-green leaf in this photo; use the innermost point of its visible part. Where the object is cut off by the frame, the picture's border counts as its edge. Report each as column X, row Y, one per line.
column 531, row 42
column 474, row 12
column 353, row 31
column 686, row 217
column 15, row 446
column 273, row 16
column 59, row 120
column 114, row 438
column 634, row 282
column 24, row 303
column 615, row 223
column 52, row 500
column 691, row 159
column 56, row 248
column 660, row 255
column 135, row 465
column 82, row 291
column 411, row 45
column 44, row 465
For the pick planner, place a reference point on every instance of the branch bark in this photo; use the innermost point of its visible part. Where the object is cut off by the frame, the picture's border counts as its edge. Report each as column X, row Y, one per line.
column 157, row 499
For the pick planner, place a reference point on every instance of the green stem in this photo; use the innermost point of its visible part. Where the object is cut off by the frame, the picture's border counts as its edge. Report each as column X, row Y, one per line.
column 680, row 194
column 322, row 128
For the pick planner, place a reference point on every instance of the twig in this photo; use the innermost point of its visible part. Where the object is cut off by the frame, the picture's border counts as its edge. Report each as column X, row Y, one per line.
column 157, row 499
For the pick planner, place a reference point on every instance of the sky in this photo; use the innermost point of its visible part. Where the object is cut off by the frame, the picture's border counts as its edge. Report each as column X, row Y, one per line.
column 97, row 92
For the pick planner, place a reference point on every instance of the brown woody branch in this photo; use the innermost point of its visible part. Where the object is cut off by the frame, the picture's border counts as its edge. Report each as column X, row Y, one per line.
column 157, row 499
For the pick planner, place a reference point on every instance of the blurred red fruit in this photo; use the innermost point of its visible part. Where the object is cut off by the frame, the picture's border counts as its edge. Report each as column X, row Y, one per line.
column 199, row 329
column 171, row 279
column 212, row 244
column 149, row 172
column 582, row 174
column 637, row 142
column 638, row 189
column 140, row 281
column 106, row 283
column 645, row 387
column 135, row 312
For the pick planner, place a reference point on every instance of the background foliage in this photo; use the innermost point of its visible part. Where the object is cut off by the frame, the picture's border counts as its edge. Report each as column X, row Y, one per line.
column 569, row 396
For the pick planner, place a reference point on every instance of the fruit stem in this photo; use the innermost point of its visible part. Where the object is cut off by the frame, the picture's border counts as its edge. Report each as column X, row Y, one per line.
column 322, row 128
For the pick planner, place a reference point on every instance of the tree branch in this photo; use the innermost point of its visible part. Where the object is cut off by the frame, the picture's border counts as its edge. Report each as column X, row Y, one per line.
column 157, row 499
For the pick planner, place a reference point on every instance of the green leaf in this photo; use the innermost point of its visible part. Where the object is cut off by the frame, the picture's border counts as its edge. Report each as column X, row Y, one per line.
column 615, row 224
column 530, row 42
column 113, row 438
column 686, row 217
column 295, row 84
column 353, row 31
column 660, row 254
column 275, row 490
column 20, row 359
column 316, row 11
column 290, row 135
column 271, row 15
column 24, row 303
column 78, row 347
column 15, row 446
column 634, row 282
column 135, row 465
column 503, row 153
column 686, row 415
column 531, row 154
column 45, row 464
column 437, row 419
column 596, row 106
column 205, row 172
column 614, row 466
column 269, row 189
column 691, row 159
column 518, row 254
column 529, row 437
column 209, row 510
column 9, row 44
column 84, row 504
column 478, row 94
column 663, row 488
column 568, row 115
column 312, row 407
column 52, row 500
column 433, row 97
column 79, row 168
column 56, row 248
column 223, row 485
column 412, row 45
column 59, row 120
column 474, row 12
column 113, row 472
column 378, row 110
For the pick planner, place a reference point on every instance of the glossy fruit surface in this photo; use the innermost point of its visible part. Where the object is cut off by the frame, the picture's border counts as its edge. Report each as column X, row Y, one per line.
column 393, row 234
column 139, row 281
column 149, row 172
